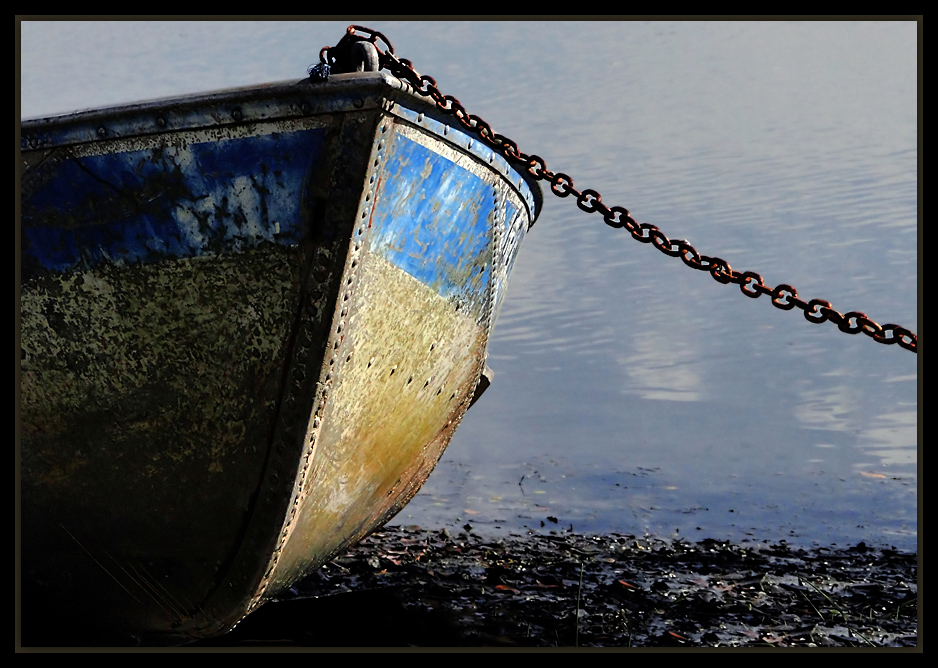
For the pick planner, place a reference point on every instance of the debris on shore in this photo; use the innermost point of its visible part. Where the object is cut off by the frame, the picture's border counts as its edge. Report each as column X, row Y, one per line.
column 405, row 586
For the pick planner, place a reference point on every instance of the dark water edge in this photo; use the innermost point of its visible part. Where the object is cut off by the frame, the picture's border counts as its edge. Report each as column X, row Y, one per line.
column 410, row 587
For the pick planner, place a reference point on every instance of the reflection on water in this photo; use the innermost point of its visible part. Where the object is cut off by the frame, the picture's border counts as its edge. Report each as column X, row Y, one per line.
column 633, row 394
column 889, row 438
column 667, row 375
column 650, row 397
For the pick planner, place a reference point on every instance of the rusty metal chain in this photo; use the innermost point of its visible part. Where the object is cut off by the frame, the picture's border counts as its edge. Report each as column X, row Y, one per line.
column 751, row 284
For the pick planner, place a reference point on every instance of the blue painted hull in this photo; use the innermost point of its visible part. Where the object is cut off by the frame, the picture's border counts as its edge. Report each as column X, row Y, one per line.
column 251, row 322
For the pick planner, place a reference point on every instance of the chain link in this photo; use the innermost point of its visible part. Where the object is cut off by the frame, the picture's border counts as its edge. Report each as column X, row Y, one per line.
column 751, row 284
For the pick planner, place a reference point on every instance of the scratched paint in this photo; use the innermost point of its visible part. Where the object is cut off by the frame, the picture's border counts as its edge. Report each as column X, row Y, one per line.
column 186, row 196
column 392, row 396
column 147, row 397
column 438, row 225
column 394, row 392
column 237, row 359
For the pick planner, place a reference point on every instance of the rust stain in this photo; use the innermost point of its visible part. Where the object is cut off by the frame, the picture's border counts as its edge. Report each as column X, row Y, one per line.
column 374, row 204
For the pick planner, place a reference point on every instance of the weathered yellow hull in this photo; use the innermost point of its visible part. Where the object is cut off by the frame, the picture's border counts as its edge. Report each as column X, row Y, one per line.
column 251, row 322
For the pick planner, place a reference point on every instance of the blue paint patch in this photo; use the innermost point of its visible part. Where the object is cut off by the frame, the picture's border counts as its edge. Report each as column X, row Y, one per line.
column 433, row 219
column 173, row 201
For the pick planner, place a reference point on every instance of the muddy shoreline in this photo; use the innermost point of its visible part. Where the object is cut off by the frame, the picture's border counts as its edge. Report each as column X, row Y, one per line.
column 408, row 587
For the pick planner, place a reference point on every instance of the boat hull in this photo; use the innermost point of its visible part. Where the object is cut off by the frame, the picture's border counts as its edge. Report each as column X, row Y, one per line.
column 250, row 323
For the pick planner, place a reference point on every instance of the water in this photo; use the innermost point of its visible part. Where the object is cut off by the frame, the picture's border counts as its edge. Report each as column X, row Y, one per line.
column 633, row 394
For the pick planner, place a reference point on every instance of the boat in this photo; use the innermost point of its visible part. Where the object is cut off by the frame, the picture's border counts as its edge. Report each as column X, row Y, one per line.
column 251, row 321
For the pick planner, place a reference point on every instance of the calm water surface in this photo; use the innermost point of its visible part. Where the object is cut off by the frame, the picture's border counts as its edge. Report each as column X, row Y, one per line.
column 633, row 394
